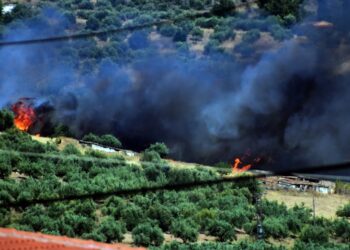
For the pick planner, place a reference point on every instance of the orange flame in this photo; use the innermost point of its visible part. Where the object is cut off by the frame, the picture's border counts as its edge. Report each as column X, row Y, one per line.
column 24, row 115
column 236, row 169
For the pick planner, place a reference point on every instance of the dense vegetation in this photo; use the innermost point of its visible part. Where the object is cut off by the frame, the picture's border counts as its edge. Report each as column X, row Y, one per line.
column 181, row 36
column 211, row 210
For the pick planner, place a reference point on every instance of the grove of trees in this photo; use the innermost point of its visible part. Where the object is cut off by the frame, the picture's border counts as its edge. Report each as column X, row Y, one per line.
column 216, row 210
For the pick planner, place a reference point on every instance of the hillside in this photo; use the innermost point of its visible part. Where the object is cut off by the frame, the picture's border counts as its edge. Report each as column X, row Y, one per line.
column 219, row 213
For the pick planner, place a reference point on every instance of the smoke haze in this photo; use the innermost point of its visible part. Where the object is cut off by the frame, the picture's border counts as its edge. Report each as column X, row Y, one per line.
column 291, row 105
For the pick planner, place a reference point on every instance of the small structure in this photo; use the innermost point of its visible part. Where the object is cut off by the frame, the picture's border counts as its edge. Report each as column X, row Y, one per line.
column 300, row 184
column 107, row 149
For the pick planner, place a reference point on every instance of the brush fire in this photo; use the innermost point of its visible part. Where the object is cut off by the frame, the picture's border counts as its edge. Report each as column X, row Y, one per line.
column 25, row 115
column 32, row 116
column 239, row 166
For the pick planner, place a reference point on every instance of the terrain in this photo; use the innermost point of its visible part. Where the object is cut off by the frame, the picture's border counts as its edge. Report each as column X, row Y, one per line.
column 206, row 82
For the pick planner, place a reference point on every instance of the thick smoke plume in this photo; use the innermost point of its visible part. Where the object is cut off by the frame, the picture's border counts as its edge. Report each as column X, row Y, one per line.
column 292, row 105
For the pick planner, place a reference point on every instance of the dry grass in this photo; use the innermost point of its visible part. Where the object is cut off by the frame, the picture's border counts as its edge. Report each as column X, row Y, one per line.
column 326, row 205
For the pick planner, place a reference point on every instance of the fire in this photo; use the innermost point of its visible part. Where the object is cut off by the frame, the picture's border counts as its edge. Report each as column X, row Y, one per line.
column 236, row 167
column 239, row 166
column 24, row 115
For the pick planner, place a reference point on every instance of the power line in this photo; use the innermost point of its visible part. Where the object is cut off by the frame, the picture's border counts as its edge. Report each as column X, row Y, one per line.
column 179, row 186
column 71, row 37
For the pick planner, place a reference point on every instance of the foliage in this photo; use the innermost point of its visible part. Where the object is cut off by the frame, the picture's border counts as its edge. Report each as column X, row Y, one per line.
column 344, row 211
column 186, row 229
column 70, row 149
column 146, row 234
column 275, row 227
column 160, row 148
column 315, row 234
column 282, row 8
column 222, row 229
column 106, row 140
column 112, row 230
column 6, row 116
column 342, row 229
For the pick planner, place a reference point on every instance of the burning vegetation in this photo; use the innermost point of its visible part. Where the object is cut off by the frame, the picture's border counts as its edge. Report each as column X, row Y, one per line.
column 25, row 115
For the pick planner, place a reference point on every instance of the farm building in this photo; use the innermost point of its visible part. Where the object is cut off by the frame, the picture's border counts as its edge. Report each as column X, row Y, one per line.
column 299, row 184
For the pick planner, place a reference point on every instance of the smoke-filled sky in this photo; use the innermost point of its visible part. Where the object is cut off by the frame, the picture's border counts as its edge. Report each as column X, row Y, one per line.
column 292, row 105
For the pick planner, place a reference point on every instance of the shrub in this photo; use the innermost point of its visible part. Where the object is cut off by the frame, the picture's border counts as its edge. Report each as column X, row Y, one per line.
column 149, row 155
column 344, row 211
column 186, row 229
column 112, row 230
column 251, row 36
column 106, row 140
column 222, row 229
column 162, row 214
column 275, row 227
column 5, row 166
column 70, row 149
column 6, row 119
column 110, row 140
column 147, row 234
column 132, row 215
column 315, row 234
column 160, row 148
column 167, row 30
column 342, row 229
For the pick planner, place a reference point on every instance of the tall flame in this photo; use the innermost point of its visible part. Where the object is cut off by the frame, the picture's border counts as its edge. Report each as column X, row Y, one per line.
column 236, row 167
column 24, row 115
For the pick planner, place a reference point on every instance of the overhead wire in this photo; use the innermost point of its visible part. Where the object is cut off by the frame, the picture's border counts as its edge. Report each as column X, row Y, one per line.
column 198, row 14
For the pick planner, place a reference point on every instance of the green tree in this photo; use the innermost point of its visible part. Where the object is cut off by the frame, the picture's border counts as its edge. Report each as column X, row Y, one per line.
column 6, row 116
column 110, row 140
column 275, row 227
column 315, row 234
column 222, row 229
column 344, row 211
column 70, row 149
column 342, row 229
column 149, row 155
column 5, row 165
column 132, row 215
column 186, row 229
column 146, row 234
column 160, row 148
column 112, row 230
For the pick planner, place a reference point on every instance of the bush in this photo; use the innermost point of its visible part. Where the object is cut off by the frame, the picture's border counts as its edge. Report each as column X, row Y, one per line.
column 112, row 230
column 342, row 229
column 160, row 148
column 132, row 215
column 147, row 234
column 6, row 119
column 110, row 140
column 149, row 155
column 70, row 149
column 167, row 30
column 344, row 211
column 251, row 36
column 315, row 234
column 186, row 229
column 222, row 229
column 5, row 166
column 275, row 227
column 106, row 140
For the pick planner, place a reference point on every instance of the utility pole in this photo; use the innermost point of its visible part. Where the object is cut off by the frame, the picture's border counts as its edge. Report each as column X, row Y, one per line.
column 259, row 213
column 314, row 205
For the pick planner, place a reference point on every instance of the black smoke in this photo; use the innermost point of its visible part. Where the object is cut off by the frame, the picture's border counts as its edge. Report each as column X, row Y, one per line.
column 292, row 105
